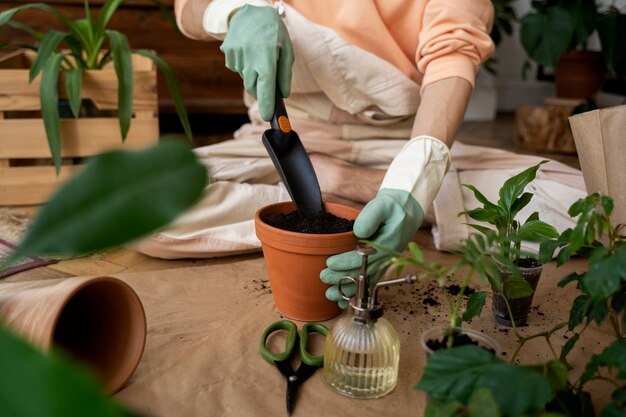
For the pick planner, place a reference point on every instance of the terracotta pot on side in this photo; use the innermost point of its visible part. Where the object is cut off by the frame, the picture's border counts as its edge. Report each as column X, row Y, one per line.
column 579, row 74
column 294, row 262
column 97, row 321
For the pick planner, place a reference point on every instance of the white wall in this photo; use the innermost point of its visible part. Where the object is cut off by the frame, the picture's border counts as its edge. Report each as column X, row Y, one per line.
column 512, row 90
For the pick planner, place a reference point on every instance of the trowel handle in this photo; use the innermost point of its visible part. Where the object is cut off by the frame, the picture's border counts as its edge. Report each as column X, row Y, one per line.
column 280, row 122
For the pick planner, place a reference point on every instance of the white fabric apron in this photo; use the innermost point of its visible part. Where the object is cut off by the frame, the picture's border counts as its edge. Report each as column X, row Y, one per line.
column 345, row 102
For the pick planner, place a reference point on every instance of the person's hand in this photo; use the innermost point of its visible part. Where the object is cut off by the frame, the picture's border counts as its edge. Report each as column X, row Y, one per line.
column 391, row 220
column 393, row 217
column 257, row 46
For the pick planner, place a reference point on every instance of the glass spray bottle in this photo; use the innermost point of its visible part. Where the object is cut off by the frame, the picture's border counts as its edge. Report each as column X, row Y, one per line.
column 362, row 351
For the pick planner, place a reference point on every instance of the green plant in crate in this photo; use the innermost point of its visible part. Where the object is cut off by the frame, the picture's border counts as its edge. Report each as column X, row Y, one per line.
column 84, row 43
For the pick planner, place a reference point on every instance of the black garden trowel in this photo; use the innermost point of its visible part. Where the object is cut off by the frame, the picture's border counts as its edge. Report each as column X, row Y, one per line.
column 292, row 161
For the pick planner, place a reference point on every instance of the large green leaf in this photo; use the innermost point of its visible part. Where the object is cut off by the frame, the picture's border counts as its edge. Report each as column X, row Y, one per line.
column 580, row 309
column 73, row 85
column 122, row 60
column 48, row 45
column 546, row 36
column 37, row 385
column 25, row 28
column 612, row 32
column 606, row 275
column 49, row 97
column 515, row 286
column 520, row 203
column 613, row 356
column 583, row 14
column 514, row 186
column 536, row 231
column 613, row 410
column 172, row 83
column 457, row 373
column 482, row 404
column 117, row 197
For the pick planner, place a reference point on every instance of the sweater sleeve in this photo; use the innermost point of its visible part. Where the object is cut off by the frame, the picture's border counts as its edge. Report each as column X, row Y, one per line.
column 215, row 17
column 454, row 39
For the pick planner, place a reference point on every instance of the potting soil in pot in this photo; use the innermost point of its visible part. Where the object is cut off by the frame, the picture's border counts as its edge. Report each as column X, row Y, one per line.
column 459, row 340
column 321, row 223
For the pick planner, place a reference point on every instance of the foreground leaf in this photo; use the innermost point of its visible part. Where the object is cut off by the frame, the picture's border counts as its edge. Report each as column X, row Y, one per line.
column 457, row 373
column 34, row 385
column 119, row 196
column 475, row 305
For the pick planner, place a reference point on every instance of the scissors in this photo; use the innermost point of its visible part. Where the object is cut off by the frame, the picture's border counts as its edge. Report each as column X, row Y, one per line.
column 309, row 363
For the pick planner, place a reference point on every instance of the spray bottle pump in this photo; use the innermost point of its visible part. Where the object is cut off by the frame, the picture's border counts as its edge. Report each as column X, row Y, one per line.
column 362, row 351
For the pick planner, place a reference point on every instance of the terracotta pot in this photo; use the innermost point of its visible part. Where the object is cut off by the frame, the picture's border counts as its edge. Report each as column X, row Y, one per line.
column 98, row 321
column 294, row 262
column 579, row 74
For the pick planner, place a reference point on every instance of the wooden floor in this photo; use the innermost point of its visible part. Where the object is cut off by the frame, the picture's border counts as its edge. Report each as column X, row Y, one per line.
column 499, row 133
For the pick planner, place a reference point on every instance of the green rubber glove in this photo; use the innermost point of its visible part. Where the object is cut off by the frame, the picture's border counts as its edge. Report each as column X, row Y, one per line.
column 391, row 220
column 257, row 46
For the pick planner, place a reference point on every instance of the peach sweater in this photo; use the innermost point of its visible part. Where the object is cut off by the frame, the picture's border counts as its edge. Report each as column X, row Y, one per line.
column 428, row 40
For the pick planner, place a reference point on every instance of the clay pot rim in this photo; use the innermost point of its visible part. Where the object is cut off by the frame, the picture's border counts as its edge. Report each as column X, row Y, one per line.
column 321, row 236
column 114, row 385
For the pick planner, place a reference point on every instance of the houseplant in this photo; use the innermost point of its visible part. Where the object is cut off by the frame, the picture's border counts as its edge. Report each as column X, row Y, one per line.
column 85, row 41
column 555, row 35
column 465, row 381
column 509, row 234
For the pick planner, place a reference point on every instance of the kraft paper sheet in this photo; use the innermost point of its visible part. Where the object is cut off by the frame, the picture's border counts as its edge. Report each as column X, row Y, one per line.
column 601, row 145
column 204, row 324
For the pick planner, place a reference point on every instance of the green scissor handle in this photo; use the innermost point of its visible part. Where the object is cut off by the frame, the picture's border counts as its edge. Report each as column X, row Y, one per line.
column 272, row 357
column 305, row 356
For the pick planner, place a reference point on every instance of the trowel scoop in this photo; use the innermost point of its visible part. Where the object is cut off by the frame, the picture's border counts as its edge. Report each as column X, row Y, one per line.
column 292, row 162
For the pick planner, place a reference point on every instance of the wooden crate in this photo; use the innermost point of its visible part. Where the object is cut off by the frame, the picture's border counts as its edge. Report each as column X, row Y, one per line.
column 27, row 175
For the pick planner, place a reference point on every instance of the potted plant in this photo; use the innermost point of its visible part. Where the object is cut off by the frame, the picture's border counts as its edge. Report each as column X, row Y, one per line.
column 295, row 258
column 509, row 234
column 555, row 35
column 467, row 381
column 93, row 68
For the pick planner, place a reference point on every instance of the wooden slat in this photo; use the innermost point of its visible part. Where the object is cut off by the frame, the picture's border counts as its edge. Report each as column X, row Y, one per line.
column 31, row 185
column 25, row 138
column 100, row 86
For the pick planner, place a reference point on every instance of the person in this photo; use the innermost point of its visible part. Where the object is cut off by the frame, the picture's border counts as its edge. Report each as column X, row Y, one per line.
column 377, row 91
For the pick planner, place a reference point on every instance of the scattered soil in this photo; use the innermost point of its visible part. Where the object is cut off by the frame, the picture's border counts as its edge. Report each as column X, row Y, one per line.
column 528, row 263
column 321, row 223
column 459, row 340
column 454, row 289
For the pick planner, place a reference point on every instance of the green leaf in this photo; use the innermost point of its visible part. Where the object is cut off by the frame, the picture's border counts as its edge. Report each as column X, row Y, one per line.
column 172, row 83
column 436, row 408
column 533, row 216
column 556, row 373
column 614, row 356
column 483, row 215
column 545, row 37
column 613, row 410
column 580, row 309
column 482, row 229
column 572, row 276
column 606, row 201
column 536, row 231
column 416, row 252
column 482, row 404
column 120, row 50
column 49, row 97
column 455, row 374
column 107, row 11
column 73, row 84
column 48, row 45
column 37, row 385
column 583, row 13
column 475, row 305
column 611, row 29
column 568, row 346
column 514, row 186
column 515, row 286
column 604, row 277
column 25, row 28
column 520, row 203
column 619, row 395
column 119, row 196
column 479, row 196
